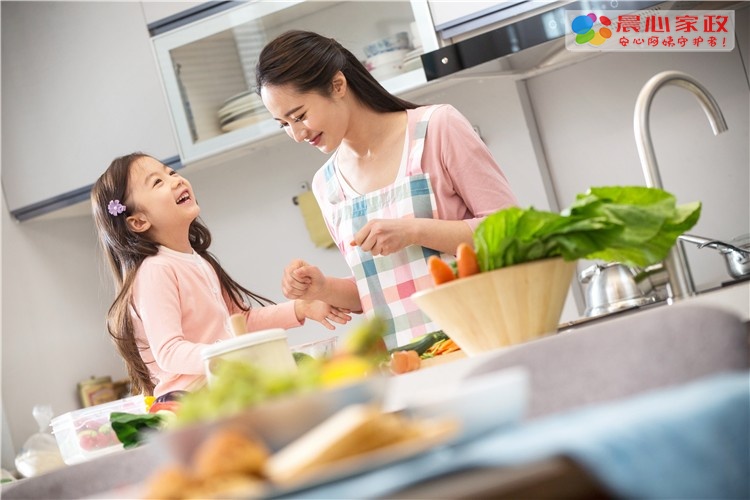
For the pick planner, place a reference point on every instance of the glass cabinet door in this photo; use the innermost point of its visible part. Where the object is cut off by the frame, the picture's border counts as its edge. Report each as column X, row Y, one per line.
column 208, row 66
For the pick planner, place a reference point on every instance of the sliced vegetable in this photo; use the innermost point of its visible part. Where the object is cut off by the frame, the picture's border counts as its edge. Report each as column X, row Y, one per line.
column 466, row 260
column 423, row 343
column 443, row 347
column 440, row 270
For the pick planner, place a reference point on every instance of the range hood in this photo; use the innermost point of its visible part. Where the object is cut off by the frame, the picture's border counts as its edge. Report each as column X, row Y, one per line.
column 527, row 37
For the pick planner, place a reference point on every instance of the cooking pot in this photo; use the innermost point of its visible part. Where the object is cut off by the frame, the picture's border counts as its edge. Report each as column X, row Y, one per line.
column 611, row 287
column 736, row 252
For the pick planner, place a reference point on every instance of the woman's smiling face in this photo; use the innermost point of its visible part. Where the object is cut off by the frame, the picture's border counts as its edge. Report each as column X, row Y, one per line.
column 311, row 117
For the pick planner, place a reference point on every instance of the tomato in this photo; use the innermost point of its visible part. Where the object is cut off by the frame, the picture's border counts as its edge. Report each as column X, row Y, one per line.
column 172, row 406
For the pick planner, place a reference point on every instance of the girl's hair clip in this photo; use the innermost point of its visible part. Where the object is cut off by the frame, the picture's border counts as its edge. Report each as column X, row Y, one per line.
column 115, row 207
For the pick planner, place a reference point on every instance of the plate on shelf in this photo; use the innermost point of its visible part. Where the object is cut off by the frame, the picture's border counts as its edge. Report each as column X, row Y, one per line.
column 243, row 120
column 239, row 104
column 242, row 95
column 224, row 114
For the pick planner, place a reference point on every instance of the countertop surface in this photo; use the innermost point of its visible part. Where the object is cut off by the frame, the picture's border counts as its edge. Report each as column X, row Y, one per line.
column 734, row 297
column 608, row 410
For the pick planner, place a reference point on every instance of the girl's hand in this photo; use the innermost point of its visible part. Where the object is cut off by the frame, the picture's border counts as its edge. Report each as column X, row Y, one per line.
column 322, row 312
column 384, row 236
column 302, row 281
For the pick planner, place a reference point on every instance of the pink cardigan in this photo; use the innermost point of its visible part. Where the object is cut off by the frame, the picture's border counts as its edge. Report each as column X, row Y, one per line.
column 467, row 181
column 179, row 309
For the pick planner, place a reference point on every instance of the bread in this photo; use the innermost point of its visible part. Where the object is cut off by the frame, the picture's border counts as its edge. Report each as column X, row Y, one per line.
column 355, row 429
column 169, row 483
column 226, row 463
column 227, row 486
column 229, row 451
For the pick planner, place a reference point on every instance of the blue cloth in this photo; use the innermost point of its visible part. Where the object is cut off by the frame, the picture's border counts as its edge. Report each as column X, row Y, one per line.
column 689, row 441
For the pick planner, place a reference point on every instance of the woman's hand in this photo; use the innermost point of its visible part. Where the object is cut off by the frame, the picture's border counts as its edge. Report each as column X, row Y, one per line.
column 325, row 314
column 387, row 236
column 384, row 236
column 302, row 281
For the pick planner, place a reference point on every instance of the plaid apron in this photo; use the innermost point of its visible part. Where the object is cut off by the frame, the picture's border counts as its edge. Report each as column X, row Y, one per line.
column 385, row 283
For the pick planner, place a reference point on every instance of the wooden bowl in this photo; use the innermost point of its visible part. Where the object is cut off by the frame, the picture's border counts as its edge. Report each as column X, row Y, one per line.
column 500, row 308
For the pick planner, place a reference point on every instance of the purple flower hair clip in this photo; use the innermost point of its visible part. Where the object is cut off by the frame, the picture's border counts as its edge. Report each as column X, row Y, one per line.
column 115, row 207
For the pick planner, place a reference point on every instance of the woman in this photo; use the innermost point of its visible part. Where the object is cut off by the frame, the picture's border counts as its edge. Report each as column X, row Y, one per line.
column 394, row 191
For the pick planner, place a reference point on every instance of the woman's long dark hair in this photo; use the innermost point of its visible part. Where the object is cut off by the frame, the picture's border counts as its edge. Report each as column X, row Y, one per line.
column 125, row 250
column 309, row 61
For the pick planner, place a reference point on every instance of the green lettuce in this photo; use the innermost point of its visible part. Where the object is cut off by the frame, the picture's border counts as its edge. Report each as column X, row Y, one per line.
column 634, row 225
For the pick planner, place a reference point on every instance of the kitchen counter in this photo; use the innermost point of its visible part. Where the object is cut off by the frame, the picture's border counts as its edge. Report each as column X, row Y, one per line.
column 588, row 392
column 734, row 298
column 659, row 444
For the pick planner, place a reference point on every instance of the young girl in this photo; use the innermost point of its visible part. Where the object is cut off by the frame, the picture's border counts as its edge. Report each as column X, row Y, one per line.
column 403, row 182
column 173, row 297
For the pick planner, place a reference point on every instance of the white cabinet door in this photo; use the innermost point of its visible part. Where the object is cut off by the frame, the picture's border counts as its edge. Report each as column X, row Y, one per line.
column 207, row 65
column 446, row 12
column 80, row 87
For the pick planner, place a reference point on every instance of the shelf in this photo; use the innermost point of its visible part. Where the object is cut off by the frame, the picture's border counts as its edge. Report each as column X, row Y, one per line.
column 208, row 61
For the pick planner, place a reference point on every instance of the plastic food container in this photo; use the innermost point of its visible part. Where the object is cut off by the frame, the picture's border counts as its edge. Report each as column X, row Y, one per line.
column 86, row 434
column 267, row 349
column 317, row 349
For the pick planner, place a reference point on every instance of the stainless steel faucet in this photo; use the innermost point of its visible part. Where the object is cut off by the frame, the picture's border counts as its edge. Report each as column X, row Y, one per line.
column 680, row 280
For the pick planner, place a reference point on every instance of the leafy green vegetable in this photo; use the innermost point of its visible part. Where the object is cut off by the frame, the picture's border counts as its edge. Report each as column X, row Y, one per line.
column 129, row 428
column 238, row 385
column 634, row 225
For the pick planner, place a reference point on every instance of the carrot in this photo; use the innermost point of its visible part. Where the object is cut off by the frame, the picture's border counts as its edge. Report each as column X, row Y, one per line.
column 448, row 346
column 466, row 260
column 440, row 270
column 443, row 347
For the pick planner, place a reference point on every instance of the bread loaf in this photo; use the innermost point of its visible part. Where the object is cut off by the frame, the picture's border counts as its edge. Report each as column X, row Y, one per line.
column 354, row 430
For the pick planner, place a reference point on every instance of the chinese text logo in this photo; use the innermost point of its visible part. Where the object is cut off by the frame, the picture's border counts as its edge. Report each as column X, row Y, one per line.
column 655, row 31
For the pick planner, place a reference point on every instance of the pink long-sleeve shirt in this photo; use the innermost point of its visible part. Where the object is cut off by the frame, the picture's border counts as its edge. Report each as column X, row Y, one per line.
column 179, row 308
column 467, row 181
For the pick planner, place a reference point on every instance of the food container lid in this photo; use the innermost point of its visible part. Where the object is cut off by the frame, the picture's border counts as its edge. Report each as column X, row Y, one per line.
column 245, row 340
column 132, row 404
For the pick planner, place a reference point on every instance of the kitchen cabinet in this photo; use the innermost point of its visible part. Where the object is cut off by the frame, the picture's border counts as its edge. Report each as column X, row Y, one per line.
column 80, row 87
column 207, row 66
column 455, row 18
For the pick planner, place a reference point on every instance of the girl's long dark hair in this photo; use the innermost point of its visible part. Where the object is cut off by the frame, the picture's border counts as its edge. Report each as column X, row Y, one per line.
column 309, row 61
column 125, row 250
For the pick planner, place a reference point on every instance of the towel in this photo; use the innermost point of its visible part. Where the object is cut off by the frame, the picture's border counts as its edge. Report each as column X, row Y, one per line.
column 687, row 441
column 314, row 221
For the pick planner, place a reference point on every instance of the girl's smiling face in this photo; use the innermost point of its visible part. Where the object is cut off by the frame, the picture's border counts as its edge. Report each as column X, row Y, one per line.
column 161, row 202
column 311, row 117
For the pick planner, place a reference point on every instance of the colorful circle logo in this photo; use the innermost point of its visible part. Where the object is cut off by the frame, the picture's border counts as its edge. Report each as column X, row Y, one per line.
column 583, row 27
